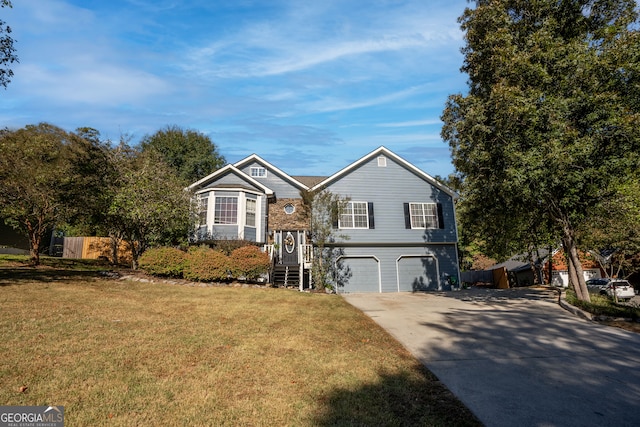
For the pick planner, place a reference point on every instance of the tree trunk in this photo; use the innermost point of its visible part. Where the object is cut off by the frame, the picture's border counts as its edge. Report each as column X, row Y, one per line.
column 576, row 274
column 34, row 249
column 115, row 248
column 550, row 256
column 34, row 243
column 137, row 248
column 134, row 256
column 573, row 276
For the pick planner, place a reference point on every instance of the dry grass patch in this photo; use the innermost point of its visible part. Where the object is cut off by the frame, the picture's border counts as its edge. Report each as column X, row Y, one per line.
column 125, row 353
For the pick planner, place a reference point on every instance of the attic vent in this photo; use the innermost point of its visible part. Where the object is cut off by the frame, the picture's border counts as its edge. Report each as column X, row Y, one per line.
column 382, row 162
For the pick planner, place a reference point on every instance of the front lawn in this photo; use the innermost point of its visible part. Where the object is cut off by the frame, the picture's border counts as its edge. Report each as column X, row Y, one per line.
column 608, row 311
column 123, row 353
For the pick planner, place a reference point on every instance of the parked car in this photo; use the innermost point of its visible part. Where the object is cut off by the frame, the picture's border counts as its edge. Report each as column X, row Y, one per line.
column 622, row 288
column 596, row 285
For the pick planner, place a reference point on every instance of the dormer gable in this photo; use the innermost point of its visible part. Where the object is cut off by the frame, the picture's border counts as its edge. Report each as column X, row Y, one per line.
column 261, row 170
column 218, row 178
column 381, row 156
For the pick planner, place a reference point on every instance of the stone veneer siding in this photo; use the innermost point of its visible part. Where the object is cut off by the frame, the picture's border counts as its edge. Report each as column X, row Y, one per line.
column 280, row 220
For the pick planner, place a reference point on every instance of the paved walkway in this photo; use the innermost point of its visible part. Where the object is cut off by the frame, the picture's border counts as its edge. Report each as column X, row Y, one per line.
column 515, row 358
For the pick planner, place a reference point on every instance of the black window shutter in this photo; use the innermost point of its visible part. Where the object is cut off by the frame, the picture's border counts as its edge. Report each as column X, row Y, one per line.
column 334, row 214
column 407, row 216
column 372, row 223
column 440, row 216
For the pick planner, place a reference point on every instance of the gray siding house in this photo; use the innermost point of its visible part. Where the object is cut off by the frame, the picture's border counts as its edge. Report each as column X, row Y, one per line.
column 399, row 222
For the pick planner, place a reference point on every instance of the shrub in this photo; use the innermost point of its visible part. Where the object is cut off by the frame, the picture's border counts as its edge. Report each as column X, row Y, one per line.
column 164, row 261
column 227, row 246
column 206, row 265
column 249, row 262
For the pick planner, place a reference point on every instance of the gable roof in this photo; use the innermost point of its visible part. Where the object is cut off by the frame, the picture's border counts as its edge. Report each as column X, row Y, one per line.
column 230, row 169
column 310, row 181
column 386, row 152
column 269, row 166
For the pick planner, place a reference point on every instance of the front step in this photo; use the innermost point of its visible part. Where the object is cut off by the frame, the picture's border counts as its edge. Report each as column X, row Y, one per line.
column 286, row 275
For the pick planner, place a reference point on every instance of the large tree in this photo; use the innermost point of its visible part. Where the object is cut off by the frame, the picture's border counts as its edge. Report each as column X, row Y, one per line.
column 192, row 154
column 150, row 204
column 615, row 226
column 551, row 122
column 90, row 191
column 34, row 177
column 323, row 208
column 7, row 51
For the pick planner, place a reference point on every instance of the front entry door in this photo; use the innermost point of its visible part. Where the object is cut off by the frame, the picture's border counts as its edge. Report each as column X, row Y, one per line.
column 290, row 247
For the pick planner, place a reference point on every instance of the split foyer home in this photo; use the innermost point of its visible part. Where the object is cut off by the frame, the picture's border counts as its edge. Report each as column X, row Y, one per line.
column 396, row 232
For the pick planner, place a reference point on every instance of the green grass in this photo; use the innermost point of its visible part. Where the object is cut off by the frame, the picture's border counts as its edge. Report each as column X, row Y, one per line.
column 602, row 305
column 124, row 353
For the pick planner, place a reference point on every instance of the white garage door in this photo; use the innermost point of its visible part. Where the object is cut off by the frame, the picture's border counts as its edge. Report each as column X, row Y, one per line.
column 362, row 274
column 417, row 273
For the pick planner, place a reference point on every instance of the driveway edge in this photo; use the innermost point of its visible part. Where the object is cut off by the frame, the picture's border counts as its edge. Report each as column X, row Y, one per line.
column 575, row 310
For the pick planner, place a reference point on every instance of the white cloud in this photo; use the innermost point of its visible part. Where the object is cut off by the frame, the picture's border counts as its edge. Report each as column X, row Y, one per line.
column 253, row 73
column 94, row 83
column 330, row 105
column 411, row 123
column 301, row 40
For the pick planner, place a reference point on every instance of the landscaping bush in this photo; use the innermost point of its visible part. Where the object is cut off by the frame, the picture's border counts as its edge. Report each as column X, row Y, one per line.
column 207, row 265
column 165, row 261
column 249, row 262
column 227, row 246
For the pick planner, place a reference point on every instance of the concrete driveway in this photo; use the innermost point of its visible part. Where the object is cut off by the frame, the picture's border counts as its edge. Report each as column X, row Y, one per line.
column 515, row 357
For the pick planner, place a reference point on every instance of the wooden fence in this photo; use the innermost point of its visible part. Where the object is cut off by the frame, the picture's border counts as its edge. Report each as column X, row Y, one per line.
column 94, row 248
column 496, row 278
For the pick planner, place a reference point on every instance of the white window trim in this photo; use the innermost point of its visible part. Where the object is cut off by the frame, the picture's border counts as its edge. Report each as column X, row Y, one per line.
column 353, row 217
column 259, row 220
column 435, row 207
column 382, row 162
column 201, row 198
column 241, row 214
column 257, row 172
column 293, row 208
column 238, row 209
column 255, row 212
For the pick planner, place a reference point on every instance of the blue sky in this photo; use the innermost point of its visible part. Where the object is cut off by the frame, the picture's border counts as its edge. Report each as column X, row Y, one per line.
column 310, row 86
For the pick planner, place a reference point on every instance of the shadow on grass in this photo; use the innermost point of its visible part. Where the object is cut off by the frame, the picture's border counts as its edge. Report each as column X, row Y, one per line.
column 396, row 400
column 26, row 275
column 18, row 270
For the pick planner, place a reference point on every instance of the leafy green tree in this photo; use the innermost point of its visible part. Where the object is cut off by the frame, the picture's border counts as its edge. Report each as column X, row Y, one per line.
column 89, row 193
column 551, row 121
column 615, row 225
column 192, row 154
column 323, row 207
column 150, row 205
column 35, row 173
column 7, row 51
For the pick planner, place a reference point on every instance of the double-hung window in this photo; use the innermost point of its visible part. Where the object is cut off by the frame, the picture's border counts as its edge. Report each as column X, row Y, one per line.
column 226, row 210
column 258, row 172
column 354, row 215
column 204, row 207
column 423, row 215
column 251, row 212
